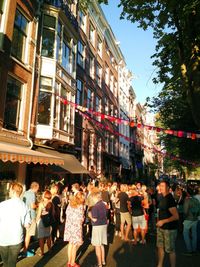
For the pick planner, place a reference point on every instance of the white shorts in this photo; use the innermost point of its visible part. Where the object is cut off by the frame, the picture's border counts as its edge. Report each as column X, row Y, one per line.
column 139, row 221
column 99, row 235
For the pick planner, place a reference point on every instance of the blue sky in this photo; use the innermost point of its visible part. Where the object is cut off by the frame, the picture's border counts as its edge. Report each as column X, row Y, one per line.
column 137, row 47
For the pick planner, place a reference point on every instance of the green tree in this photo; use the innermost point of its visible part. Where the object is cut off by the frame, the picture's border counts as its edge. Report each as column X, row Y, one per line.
column 176, row 26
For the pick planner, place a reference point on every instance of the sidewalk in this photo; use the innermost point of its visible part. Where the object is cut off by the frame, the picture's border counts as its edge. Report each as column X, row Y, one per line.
column 118, row 254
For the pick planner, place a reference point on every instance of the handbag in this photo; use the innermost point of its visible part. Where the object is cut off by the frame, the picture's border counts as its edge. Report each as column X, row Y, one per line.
column 46, row 219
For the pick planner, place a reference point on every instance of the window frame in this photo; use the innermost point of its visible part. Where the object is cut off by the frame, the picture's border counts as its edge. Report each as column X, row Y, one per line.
column 81, row 54
column 51, row 30
column 23, row 47
column 14, row 127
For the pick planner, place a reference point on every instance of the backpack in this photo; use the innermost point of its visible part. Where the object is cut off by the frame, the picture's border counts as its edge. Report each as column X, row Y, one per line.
column 46, row 219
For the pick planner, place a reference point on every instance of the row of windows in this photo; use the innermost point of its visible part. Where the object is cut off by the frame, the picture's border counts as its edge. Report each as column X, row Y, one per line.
column 109, row 108
column 111, row 144
column 95, row 41
column 65, row 48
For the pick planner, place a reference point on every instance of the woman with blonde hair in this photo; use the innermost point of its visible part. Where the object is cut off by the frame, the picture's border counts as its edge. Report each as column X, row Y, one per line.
column 73, row 226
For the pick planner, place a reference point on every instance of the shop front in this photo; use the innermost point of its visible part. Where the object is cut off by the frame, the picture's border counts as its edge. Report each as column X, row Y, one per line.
column 13, row 164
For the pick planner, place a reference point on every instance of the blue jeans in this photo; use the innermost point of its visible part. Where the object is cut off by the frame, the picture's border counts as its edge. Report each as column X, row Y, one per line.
column 198, row 235
column 9, row 254
column 190, row 241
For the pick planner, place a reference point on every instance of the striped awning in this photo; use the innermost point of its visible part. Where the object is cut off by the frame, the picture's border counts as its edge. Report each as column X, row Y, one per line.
column 21, row 154
column 71, row 163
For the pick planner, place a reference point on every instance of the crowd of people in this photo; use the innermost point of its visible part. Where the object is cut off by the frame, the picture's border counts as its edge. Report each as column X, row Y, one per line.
column 134, row 211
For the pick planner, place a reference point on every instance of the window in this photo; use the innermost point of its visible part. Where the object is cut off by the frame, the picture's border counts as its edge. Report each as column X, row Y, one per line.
column 66, row 115
column 107, row 142
column 111, row 82
column 79, row 92
column 2, row 2
column 98, row 107
column 82, row 20
column 92, row 34
column 106, row 106
column 44, row 101
column 73, row 63
column 107, row 75
column 66, row 51
column 98, row 74
column 48, row 36
column 112, row 144
column 89, row 99
column 19, row 36
column 13, row 104
column 99, row 149
column 58, row 45
column 91, row 66
column 81, row 55
column 111, row 110
column 64, row 112
column 99, row 46
column 115, row 88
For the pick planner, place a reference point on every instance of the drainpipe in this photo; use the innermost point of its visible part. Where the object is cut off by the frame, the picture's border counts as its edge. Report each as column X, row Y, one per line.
column 39, row 3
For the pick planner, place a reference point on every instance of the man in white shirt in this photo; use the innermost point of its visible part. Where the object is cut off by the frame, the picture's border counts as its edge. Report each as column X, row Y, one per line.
column 29, row 199
column 14, row 216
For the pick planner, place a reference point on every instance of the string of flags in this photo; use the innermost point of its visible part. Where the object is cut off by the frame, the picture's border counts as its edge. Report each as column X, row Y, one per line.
column 132, row 122
column 136, row 142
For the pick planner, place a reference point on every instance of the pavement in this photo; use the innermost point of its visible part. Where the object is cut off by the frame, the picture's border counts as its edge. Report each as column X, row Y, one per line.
column 118, row 254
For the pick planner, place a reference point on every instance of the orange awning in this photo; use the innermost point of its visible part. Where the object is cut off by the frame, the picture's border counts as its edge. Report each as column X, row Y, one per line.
column 15, row 153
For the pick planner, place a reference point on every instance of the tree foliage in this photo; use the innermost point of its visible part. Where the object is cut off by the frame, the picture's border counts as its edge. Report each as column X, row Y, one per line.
column 176, row 26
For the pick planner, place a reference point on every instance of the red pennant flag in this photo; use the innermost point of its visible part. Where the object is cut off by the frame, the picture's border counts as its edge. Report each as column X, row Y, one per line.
column 180, row 133
column 193, row 136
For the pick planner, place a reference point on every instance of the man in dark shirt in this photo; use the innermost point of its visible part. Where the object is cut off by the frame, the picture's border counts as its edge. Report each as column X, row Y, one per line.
column 125, row 215
column 166, row 225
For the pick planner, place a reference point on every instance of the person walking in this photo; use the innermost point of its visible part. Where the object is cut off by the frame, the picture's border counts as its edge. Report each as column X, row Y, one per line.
column 125, row 215
column 138, row 218
column 73, row 232
column 29, row 199
column 167, row 225
column 14, row 216
column 57, row 207
column 99, row 227
column 191, row 209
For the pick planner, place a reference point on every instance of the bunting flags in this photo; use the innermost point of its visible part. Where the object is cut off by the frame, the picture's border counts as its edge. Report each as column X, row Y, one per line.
column 154, row 149
column 132, row 123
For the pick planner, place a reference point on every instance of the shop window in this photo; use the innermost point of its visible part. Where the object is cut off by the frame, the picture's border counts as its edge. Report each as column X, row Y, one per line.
column 19, row 39
column 13, row 104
